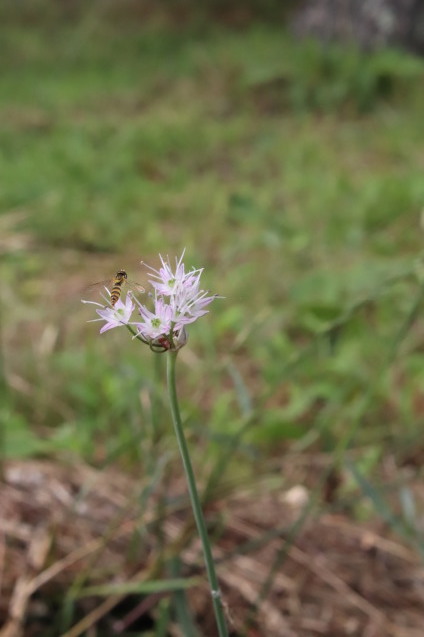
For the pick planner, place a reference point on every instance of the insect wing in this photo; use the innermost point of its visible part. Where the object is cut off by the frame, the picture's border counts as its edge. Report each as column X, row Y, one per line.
column 98, row 291
column 132, row 286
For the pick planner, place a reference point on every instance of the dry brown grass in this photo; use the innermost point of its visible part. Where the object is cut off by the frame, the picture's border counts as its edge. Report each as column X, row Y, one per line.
column 60, row 525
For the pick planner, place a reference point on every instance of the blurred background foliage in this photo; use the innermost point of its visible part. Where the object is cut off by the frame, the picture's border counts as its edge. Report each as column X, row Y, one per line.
column 290, row 170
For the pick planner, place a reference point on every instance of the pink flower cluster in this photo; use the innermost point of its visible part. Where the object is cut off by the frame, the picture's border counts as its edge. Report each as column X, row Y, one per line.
column 177, row 301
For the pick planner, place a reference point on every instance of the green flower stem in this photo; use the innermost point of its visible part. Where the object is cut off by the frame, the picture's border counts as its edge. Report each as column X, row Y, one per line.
column 194, row 496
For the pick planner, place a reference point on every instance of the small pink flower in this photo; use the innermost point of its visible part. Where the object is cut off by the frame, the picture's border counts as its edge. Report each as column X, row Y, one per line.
column 155, row 323
column 189, row 304
column 115, row 316
column 168, row 282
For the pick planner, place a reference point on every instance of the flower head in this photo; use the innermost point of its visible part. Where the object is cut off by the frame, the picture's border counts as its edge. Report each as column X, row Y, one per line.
column 177, row 301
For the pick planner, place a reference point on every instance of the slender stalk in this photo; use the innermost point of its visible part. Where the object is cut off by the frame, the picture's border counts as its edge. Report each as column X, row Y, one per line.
column 194, row 497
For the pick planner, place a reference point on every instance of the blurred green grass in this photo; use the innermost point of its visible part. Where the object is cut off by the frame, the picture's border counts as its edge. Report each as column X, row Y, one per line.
column 292, row 173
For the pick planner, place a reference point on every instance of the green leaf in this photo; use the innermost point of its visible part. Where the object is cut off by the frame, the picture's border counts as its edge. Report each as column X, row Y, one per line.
column 145, row 588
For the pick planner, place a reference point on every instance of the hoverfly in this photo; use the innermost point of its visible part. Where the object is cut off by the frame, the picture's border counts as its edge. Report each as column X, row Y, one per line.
column 115, row 286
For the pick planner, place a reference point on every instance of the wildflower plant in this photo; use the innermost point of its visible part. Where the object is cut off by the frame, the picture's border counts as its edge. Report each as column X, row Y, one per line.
column 174, row 301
